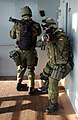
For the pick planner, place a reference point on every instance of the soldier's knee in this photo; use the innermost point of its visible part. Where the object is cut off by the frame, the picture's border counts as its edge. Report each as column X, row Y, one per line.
column 31, row 68
column 31, row 74
column 20, row 68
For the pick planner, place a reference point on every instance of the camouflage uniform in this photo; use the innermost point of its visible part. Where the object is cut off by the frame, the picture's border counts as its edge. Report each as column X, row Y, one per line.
column 27, row 58
column 59, row 65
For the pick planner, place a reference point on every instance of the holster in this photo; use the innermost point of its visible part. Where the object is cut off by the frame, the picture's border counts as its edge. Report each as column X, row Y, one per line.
column 15, row 55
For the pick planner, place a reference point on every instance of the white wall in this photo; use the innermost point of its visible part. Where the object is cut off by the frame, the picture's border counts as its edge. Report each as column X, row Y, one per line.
column 12, row 8
column 71, row 83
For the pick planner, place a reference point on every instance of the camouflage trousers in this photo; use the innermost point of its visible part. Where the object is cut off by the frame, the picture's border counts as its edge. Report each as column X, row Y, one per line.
column 53, row 90
column 31, row 75
column 54, row 73
column 28, row 62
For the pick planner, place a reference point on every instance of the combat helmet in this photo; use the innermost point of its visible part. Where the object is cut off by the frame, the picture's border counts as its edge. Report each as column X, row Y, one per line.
column 50, row 22
column 26, row 11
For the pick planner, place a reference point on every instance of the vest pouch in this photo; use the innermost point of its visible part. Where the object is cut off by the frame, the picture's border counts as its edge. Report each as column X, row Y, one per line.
column 57, row 72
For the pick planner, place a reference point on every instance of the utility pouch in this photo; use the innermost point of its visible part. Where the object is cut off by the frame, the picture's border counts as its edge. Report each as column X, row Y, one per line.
column 15, row 55
column 68, row 68
column 58, row 71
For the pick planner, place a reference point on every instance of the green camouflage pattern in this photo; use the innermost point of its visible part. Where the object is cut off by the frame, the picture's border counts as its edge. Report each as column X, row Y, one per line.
column 26, row 11
column 50, row 22
column 29, row 58
column 59, row 53
column 53, row 90
column 15, row 55
column 59, row 64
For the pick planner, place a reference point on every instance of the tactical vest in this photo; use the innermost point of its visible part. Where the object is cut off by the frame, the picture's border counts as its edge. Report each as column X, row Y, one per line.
column 59, row 51
column 25, row 39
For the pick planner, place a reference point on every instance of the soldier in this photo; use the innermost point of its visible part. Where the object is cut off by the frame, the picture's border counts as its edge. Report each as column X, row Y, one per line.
column 60, row 61
column 25, row 31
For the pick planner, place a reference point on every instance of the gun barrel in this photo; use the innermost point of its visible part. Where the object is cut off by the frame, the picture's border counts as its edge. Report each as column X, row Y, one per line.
column 10, row 19
column 13, row 20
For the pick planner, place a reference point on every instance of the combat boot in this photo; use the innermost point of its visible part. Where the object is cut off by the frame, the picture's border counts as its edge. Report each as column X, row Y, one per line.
column 44, row 86
column 43, row 89
column 31, row 91
column 52, row 107
column 21, row 87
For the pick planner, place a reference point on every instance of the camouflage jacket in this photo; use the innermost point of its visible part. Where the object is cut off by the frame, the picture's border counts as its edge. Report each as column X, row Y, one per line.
column 59, row 52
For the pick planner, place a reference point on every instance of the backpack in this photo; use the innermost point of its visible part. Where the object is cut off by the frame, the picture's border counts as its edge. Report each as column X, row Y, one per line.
column 25, row 40
column 70, row 64
column 71, row 56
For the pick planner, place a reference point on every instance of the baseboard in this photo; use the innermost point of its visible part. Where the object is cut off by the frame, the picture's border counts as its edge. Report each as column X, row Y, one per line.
column 14, row 77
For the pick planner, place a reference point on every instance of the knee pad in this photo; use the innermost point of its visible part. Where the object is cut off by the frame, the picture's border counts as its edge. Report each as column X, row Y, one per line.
column 42, row 77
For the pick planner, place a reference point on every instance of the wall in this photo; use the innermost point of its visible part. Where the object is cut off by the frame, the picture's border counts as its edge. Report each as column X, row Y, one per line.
column 71, row 83
column 12, row 8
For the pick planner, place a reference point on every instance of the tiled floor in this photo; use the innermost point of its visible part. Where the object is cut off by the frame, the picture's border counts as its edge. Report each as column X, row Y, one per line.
column 16, row 105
